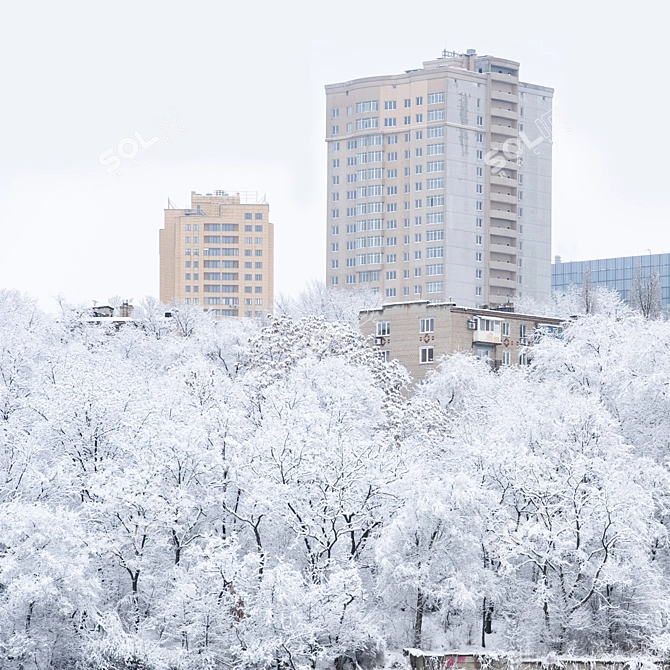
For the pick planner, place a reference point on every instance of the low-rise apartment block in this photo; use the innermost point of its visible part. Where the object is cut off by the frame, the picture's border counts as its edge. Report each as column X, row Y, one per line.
column 418, row 333
column 219, row 254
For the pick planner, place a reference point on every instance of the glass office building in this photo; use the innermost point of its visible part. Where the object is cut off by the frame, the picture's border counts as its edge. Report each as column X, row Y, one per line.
column 614, row 273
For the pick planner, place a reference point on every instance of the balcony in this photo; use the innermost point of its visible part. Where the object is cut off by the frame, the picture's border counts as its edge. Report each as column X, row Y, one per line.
column 508, row 96
column 503, row 282
column 509, row 266
column 499, row 251
column 499, row 180
column 504, row 113
column 503, row 197
column 500, row 214
column 506, row 130
column 498, row 243
column 506, row 78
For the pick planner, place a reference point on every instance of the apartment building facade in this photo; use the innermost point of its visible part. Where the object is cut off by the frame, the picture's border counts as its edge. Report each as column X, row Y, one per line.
column 219, row 254
column 416, row 209
column 418, row 333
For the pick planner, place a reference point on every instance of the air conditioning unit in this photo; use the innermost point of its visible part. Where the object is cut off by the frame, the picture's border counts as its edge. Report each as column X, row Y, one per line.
column 472, row 324
column 379, row 341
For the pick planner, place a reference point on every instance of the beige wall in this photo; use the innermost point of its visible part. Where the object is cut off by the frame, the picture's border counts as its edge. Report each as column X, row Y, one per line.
column 182, row 243
column 451, row 332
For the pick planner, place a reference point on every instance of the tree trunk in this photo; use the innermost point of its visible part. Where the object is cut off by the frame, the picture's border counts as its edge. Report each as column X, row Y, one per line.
column 418, row 621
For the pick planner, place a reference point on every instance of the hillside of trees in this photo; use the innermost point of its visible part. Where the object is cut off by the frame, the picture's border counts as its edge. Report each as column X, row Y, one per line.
column 184, row 494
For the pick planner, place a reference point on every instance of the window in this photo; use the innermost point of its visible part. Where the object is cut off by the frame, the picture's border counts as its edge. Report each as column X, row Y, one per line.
column 336, row 181
column 418, row 152
column 258, row 265
column 523, row 359
column 258, row 240
column 247, row 215
column 419, row 118
column 391, row 258
column 391, row 190
column 385, row 356
column 434, row 287
column 434, row 235
column 390, row 275
column 392, row 156
column 479, row 206
column 391, row 174
column 478, row 274
column 418, row 186
column 391, row 241
column 419, row 134
column 335, row 246
column 335, row 113
column 435, row 201
column 417, row 220
column 336, row 162
column 435, row 149
column 349, row 110
column 480, row 120
column 390, row 293
column 418, row 169
column 506, row 357
column 478, row 223
column 408, row 102
column 427, row 325
column 388, row 123
column 426, row 355
column 417, row 255
column 505, row 328
column 351, row 279
column 419, row 101
column 417, row 237
column 435, row 184
column 392, row 139
column 392, row 207
column 478, row 256
column 436, row 115
column 406, row 240
column 432, row 270
column 248, row 229
column 435, row 98
column 480, row 137
column 391, row 224
column 479, row 188
column 369, row 122
column 335, row 214
column 480, row 171
column 407, row 154
column 407, row 120
column 370, row 106
column 417, row 290
column 258, row 289
column 417, row 272
column 383, row 329
column 435, row 166
column 478, row 290
column 389, row 104
column 334, row 264
column 480, row 154
column 435, row 252
column 479, row 239
column 334, row 281
column 418, row 203
column 436, row 132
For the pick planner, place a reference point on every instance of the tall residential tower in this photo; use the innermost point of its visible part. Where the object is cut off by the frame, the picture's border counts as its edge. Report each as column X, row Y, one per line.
column 418, row 205
column 219, row 254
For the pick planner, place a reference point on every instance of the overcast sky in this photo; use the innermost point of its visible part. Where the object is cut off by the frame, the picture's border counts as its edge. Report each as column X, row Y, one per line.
column 246, row 80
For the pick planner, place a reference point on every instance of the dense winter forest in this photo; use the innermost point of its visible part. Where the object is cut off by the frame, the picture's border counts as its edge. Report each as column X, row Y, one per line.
column 182, row 493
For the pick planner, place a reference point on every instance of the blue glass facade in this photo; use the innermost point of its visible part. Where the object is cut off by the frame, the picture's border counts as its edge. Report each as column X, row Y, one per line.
column 614, row 273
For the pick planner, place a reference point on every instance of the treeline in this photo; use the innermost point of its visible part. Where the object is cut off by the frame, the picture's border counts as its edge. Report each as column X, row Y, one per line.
column 187, row 493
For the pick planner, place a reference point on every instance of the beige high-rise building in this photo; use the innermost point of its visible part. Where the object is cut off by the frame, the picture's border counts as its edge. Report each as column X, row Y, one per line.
column 219, row 254
column 424, row 199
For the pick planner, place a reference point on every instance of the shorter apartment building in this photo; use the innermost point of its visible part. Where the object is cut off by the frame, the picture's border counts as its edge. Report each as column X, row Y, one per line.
column 418, row 333
column 219, row 254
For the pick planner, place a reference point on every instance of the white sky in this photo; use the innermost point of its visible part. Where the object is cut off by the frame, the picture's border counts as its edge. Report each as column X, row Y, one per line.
column 247, row 80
